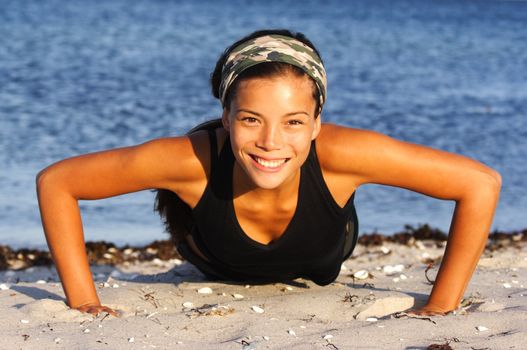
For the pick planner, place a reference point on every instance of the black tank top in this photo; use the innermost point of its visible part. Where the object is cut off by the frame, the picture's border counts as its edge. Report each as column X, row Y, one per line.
column 311, row 246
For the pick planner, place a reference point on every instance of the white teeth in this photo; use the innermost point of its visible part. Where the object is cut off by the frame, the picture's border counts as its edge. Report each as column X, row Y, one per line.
column 270, row 164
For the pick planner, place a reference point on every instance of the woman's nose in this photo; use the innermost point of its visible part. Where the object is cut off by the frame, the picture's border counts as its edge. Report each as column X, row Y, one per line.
column 270, row 138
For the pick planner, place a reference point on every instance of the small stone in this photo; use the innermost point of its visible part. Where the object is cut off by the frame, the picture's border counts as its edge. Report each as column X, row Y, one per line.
column 343, row 267
column 247, row 286
column 396, row 279
column 514, row 282
column 41, row 282
column 385, row 250
column 266, row 337
column 4, row 286
column 403, row 277
column 327, row 337
column 390, row 270
column 361, row 274
column 131, row 340
column 303, row 327
column 188, row 304
column 371, row 319
column 257, row 309
column 106, row 285
column 57, row 340
column 482, row 328
column 289, row 288
column 24, row 321
column 507, row 285
column 86, row 330
column 115, row 285
column 237, row 296
column 291, row 332
column 205, row 290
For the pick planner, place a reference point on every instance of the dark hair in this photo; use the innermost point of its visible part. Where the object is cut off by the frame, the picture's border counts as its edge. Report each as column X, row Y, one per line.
column 264, row 69
column 176, row 214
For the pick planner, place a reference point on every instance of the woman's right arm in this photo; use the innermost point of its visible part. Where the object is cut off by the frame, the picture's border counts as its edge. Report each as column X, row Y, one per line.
column 170, row 163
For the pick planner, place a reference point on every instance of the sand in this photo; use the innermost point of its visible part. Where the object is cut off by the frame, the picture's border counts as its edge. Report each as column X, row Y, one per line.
column 162, row 308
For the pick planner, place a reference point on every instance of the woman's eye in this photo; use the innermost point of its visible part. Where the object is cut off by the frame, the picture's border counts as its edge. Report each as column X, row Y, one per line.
column 295, row 122
column 249, row 119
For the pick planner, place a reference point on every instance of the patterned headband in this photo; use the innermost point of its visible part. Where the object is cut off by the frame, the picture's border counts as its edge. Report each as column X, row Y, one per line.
column 273, row 48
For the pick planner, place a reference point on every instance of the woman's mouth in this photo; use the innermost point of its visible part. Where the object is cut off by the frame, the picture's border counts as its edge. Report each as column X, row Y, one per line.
column 271, row 164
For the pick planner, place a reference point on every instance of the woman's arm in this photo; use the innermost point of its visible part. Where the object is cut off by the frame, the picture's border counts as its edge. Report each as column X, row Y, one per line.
column 172, row 163
column 376, row 158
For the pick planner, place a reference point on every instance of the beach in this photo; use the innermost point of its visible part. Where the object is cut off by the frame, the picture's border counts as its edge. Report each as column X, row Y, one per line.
column 165, row 303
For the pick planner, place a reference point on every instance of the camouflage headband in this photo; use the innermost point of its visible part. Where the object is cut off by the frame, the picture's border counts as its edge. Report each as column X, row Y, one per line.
column 273, row 48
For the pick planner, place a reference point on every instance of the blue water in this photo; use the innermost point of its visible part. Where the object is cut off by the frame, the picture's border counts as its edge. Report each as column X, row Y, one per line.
column 82, row 76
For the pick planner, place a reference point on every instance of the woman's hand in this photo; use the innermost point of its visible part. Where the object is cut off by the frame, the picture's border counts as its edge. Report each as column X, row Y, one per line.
column 96, row 309
column 428, row 310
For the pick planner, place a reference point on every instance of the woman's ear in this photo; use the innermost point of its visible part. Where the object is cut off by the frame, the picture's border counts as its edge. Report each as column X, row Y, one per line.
column 225, row 120
column 316, row 127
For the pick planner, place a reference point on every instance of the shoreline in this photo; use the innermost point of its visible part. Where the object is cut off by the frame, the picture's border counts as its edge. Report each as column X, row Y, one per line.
column 107, row 253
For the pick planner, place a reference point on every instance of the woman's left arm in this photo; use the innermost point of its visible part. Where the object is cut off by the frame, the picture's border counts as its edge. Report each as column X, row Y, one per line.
column 376, row 158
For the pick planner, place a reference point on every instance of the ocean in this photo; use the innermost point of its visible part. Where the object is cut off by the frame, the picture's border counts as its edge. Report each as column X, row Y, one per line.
column 83, row 76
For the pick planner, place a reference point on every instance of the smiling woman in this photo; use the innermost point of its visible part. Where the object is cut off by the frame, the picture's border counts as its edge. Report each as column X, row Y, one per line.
column 266, row 193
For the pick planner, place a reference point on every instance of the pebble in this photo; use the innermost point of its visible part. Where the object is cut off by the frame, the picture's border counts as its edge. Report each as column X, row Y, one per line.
column 385, row 250
column 327, row 337
column 266, row 337
column 361, row 274
column 41, row 282
column 131, row 340
column 86, row 330
column 57, row 340
column 482, row 328
column 4, row 286
column 391, row 270
column 24, row 321
column 371, row 319
column 291, row 332
column 237, row 296
column 205, row 290
column 257, row 309
column 115, row 285
column 506, row 285
column 188, row 304
column 289, row 288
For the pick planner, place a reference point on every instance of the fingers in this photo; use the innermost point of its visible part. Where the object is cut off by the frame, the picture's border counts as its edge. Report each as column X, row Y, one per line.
column 425, row 312
column 97, row 309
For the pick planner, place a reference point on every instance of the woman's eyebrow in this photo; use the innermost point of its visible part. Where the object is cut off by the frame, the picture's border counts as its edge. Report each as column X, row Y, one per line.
column 259, row 115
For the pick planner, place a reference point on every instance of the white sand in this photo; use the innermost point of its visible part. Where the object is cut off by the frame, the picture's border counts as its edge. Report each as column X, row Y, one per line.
column 347, row 314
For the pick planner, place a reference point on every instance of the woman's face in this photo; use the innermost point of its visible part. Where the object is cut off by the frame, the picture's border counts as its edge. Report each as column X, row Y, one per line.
column 271, row 122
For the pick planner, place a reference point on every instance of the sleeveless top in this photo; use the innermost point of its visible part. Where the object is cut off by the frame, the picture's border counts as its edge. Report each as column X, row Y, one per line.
column 311, row 247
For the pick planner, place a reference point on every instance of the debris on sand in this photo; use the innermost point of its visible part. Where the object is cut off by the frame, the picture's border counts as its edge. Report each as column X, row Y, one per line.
column 209, row 310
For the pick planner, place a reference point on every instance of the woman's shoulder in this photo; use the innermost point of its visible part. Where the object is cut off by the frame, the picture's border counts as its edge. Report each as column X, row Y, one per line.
column 343, row 149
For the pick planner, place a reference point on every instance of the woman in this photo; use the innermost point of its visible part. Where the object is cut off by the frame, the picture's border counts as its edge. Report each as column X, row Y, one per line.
column 267, row 192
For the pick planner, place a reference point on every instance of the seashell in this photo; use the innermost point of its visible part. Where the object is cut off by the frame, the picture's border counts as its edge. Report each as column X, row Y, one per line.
column 205, row 290
column 188, row 304
column 257, row 309
column 361, row 274
column 506, row 285
column 482, row 328
column 371, row 319
column 327, row 337
column 291, row 332
column 237, row 296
